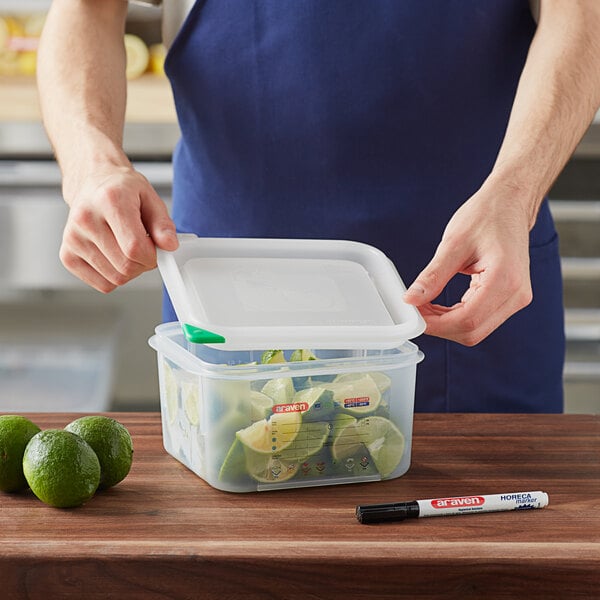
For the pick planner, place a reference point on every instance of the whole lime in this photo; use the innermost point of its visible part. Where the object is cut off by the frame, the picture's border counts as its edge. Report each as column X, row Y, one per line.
column 111, row 442
column 62, row 469
column 15, row 433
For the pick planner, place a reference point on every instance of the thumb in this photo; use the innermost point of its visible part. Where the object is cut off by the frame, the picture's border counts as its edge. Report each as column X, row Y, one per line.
column 433, row 278
column 158, row 223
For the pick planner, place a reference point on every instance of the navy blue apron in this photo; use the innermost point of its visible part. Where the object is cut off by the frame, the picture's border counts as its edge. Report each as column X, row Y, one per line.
column 368, row 121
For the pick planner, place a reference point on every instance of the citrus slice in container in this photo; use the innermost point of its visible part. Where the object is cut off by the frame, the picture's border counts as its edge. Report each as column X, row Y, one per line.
column 382, row 381
column 234, row 465
column 310, row 439
column 273, row 435
column 319, row 403
column 266, row 468
column 191, row 398
column 378, row 435
column 260, row 406
column 270, row 357
column 281, row 389
column 171, row 391
column 359, row 396
column 302, row 355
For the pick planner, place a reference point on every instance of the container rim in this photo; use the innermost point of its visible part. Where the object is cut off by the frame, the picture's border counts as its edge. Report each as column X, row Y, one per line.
column 162, row 341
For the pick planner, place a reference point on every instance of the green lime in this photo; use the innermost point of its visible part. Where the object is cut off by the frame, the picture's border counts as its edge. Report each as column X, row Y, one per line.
column 61, row 468
column 191, row 400
column 272, row 435
column 359, row 396
column 112, row 443
column 382, row 381
column 234, row 466
column 170, row 391
column 15, row 433
column 310, row 439
column 319, row 401
column 266, row 468
column 281, row 389
column 302, row 355
column 269, row 357
column 378, row 435
column 260, row 406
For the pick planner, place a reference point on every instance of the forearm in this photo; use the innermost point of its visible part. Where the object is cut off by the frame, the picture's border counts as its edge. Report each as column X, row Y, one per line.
column 557, row 97
column 81, row 79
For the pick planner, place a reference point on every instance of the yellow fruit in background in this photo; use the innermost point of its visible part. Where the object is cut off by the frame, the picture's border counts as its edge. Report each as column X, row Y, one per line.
column 9, row 62
column 4, row 34
column 158, row 54
column 34, row 24
column 138, row 56
column 27, row 62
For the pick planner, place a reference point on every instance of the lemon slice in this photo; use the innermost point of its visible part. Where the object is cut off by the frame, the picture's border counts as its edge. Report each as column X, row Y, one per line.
column 138, row 55
column 378, row 435
column 273, row 435
column 4, row 34
column 281, row 389
column 359, row 396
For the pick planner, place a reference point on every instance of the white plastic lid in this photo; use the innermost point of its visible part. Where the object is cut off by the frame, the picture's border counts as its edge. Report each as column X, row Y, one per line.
column 252, row 293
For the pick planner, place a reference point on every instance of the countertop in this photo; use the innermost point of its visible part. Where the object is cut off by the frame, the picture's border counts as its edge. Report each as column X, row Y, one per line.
column 164, row 533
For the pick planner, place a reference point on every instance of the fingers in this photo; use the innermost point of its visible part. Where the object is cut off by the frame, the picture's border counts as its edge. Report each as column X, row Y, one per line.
column 483, row 308
column 110, row 234
column 158, row 223
column 433, row 279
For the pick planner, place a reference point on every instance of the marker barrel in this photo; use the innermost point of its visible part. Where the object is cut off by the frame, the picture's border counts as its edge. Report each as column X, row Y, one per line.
column 457, row 505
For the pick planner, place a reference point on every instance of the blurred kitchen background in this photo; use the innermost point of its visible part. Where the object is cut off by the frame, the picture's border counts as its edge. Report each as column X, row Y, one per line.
column 66, row 347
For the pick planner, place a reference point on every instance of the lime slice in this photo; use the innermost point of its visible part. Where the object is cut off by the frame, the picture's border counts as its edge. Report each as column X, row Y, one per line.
column 266, row 468
column 260, row 406
column 273, row 435
column 319, row 401
column 359, row 396
column 382, row 381
column 378, row 435
column 272, row 356
column 302, row 355
column 280, row 389
column 170, row 390
column 190, row 396
column 310, row 439
column 234, row 465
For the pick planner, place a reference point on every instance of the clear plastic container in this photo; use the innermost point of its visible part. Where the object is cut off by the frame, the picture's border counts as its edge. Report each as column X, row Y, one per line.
column 330, row 417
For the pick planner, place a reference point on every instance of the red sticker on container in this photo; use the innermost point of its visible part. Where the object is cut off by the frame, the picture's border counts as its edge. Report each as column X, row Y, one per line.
column 355, row 402
column 292, row 407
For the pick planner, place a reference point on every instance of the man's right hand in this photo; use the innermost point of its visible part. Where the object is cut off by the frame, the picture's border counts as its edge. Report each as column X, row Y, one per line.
column 115, row 222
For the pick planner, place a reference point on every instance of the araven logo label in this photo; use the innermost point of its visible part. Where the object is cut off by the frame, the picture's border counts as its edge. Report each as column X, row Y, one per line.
column 293, row 407
column 460, row 501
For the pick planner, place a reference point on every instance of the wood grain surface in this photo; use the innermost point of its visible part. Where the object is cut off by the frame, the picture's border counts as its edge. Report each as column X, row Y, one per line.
column 164, row 533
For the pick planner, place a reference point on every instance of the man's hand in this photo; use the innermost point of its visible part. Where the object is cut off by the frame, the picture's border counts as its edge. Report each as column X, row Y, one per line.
column 115, row 221
column 488, row 239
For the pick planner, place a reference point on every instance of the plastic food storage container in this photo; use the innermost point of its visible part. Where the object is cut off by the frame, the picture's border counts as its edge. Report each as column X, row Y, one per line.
column 291, row 364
